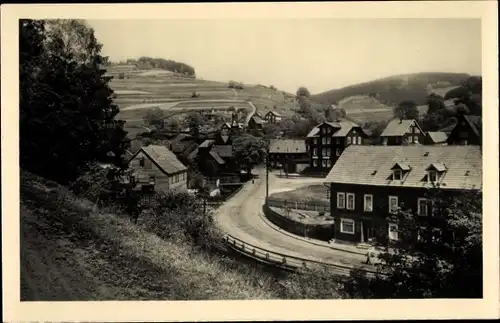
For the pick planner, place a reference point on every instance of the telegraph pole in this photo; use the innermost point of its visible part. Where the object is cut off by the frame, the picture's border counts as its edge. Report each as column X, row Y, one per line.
column 267, row 171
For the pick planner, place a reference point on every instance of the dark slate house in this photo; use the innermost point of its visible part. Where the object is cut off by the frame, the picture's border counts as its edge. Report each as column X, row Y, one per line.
column 467, row 131
column 401, row 132
column 326, row 142
column 289, row 155
column 272, row 117
column 369, row 183
column 255, row 123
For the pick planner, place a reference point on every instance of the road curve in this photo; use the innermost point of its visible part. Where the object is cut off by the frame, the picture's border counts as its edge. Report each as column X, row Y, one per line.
column 241, row 217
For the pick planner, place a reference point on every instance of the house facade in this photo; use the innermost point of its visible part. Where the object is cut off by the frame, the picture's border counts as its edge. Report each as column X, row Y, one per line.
column 467, row 131
column 272, row 117
column 369, row 184
column 288, row 155
column 158, row 167
column 326, row 142
column 401, row 132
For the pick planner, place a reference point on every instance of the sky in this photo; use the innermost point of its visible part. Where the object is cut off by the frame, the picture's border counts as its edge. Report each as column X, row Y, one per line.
column 320, row 54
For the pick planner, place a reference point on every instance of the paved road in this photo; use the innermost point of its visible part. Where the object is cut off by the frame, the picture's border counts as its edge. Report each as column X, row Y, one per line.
column 241, row 218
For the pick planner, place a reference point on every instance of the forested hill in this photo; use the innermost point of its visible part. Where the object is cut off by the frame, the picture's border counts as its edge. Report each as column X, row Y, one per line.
column 145, row 63
column 394, row 89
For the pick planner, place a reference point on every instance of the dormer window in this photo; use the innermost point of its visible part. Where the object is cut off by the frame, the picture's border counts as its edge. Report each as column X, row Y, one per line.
column 399, row 170
column 435, row 171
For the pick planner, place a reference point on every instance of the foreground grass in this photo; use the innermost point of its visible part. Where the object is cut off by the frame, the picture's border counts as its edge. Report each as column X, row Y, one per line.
column 311, row 193
column 69, row 252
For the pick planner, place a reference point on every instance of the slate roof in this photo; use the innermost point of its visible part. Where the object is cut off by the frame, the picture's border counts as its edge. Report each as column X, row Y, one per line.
column 476, row 124
column 397, row 127
column 217, row 157
column 223, row 150
column 164, row 158
column 274, row 112
column 287, row 146
column 343, row 128
column 206, row 143
column 438, row 136
column 371, row 165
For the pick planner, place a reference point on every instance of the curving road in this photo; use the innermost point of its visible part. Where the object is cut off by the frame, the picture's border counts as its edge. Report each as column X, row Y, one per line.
column 242, row 218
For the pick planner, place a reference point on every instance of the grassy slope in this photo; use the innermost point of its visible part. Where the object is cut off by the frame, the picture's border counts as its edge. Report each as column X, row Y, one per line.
column 70, row 253
column 395, row 89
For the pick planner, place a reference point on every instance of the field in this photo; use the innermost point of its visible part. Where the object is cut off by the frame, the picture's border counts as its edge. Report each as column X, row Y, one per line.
column 362, row 108
column 309, row 193
column 170, row 92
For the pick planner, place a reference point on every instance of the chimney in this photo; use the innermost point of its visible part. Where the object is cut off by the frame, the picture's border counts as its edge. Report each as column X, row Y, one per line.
column 400, row 120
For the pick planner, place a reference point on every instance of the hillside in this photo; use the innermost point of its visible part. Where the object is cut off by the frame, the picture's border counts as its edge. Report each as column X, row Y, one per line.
column 142, row 89
column 394, row 89
column 70, row 253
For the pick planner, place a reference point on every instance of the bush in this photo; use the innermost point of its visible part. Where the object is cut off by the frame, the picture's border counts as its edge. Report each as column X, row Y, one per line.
column 121, row 76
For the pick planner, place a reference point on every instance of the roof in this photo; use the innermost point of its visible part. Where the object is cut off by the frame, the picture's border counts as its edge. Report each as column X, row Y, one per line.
column 343, row 128
column 397, row 127
column 275, row 113
column 437, row 136
column 223, row 150
column 164, row 159
column 217, row 157
column 193, row 154
column 206, row 143
column 257, row 119
column 475, row 123
column 371, row 165
column 287, row 146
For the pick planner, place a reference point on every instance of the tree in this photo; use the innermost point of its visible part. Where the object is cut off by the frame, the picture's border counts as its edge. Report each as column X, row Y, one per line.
column 406, row 110
column 441, row 265
column 67, row 117
column 303, row 92
column 194, row 121
column 154, row 117
column 249, row 151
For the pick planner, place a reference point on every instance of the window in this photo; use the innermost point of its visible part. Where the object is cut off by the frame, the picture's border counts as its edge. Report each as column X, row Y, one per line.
column 340, row 200
column 350, row 201
column 328, row 163
column 397, row 175
column 393, row 231
column 142, row 161
column 315, row 141
column 384, row 142
column 323, row 152
column 176, row 178
column 323, row 130
column 437, row 235
column 338, row 151
column 359, row 141
column 315, row 151
column 415, row 139
column 337, row 141
column 421, row 234
column 328, row 130
column 347, row 226
column 432, row 176
column 410, row 139
column 348, row 140
column 326, row 152
column 315, row 163
column 152, row 180
column 323, row 163
column 328, row 140
column 422, row 207
column 323, row 141
column 393, row 204
column 368, row 203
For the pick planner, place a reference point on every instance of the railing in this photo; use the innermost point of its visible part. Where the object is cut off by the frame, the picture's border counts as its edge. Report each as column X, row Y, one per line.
column 299, row 205
column 281, row 260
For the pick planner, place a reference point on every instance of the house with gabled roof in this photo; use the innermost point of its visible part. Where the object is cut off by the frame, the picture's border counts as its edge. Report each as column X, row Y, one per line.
column 326, row 142
column 369, row 184
column 158, row 167
column 401, row 132
column 255, row 123
column 288, row 154
column 272, row 117
column 467, row 131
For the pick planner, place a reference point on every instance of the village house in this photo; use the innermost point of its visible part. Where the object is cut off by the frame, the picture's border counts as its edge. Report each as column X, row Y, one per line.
column 401, row 132
column 159, row 167
column 272, row 117
column 436, row 138
column 289, row 155
column 326, row 142
column 370, row 183
column 468, row 131
column 215, row 156
column 255, row 123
